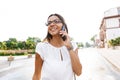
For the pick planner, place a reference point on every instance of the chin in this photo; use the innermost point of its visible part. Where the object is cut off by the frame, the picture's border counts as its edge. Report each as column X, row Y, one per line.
column 54, row 33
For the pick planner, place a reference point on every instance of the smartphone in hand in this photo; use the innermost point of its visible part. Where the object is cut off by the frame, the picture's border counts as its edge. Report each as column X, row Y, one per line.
column 63, row 37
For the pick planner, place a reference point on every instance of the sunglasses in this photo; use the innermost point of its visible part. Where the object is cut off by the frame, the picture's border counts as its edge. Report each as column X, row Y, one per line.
column 54, row 21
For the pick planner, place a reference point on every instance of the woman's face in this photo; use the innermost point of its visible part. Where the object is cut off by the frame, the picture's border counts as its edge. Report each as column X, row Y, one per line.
column 54, row 25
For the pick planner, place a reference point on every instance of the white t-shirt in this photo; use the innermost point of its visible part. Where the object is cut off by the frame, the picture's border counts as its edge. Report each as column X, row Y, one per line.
column 57, row 63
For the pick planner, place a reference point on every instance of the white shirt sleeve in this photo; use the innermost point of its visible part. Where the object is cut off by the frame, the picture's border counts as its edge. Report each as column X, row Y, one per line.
column 39, row 49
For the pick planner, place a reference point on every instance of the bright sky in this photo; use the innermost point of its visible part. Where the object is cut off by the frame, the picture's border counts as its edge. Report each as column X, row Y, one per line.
column 23, row 18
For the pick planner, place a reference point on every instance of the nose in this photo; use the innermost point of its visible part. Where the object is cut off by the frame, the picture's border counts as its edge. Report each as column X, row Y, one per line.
column 52, row 23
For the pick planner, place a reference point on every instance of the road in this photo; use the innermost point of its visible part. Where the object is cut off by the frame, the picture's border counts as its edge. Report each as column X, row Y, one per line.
column 19, row 70
column 95, row 67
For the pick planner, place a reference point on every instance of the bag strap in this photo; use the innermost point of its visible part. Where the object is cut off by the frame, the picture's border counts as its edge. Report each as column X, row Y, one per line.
column 74, row 77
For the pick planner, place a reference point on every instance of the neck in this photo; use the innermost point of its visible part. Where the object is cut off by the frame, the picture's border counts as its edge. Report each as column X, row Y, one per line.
column 56, row 41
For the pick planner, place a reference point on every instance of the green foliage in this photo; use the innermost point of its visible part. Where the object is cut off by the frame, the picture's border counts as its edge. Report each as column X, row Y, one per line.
column 13, row 44
column 16, row 52
column 115, row 42
column 80, row 44
column 21, row 45
column 8, row 54
column 93, row 38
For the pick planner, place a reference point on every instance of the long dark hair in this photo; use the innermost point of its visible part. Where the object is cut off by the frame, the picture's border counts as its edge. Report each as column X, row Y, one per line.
column 49, row 36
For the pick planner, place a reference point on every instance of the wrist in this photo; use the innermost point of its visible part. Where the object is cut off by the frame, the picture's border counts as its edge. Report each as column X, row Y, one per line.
column 70, row 48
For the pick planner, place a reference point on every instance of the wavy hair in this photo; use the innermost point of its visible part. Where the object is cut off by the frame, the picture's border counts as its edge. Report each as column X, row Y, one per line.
column 49, row 36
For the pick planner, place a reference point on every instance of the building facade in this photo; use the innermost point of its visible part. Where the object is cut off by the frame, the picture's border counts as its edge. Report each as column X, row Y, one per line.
column 110, row 26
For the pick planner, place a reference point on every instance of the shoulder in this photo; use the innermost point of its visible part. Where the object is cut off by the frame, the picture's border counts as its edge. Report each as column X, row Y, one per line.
column 41, row 49
column 42, row 44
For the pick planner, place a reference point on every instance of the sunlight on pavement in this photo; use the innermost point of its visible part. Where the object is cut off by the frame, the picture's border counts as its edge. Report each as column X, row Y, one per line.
column 94, row 67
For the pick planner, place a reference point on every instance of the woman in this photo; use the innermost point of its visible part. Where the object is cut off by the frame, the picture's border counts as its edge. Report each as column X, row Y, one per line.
column 56, row 58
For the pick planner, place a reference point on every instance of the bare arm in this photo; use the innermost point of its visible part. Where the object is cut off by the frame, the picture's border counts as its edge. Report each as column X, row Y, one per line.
column 38, row 67
column 76, row 65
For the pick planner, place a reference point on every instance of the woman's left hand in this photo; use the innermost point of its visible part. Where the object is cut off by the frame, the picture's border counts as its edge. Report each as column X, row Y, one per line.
column 67, row 42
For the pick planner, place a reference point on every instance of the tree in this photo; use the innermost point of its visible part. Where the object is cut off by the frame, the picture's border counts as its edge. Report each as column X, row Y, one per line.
column 31, row 42
column 21, row 45
column 4, row 47
column 11, row 43
column 93, row 39
column 1, row 45
column 80, row 44
column 87, row 44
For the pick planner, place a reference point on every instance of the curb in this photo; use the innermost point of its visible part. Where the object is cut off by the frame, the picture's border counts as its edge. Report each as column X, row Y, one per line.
column 112, row 56
column 115, row 67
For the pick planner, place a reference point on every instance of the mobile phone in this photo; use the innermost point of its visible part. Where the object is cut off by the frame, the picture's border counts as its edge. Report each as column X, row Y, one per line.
column 63, row 37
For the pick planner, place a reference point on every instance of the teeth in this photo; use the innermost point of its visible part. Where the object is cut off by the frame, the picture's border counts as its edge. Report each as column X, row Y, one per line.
column 53, row 29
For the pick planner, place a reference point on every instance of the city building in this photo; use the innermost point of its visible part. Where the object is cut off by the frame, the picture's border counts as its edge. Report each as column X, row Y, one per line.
column 110, row 26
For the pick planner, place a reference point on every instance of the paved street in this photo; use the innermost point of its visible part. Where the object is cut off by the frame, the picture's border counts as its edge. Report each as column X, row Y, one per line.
column 19, row 70
column 95, row 67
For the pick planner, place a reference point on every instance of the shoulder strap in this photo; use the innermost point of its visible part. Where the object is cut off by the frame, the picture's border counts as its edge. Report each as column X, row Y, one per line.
column 74, row 77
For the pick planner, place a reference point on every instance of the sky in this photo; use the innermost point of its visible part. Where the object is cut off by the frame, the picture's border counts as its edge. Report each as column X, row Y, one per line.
column 21, row 19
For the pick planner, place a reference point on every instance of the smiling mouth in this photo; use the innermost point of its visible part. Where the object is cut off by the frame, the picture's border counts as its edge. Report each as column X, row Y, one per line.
column 53, row 29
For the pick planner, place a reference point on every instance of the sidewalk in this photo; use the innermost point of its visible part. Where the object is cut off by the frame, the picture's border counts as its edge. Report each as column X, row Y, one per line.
column 6, row 65
column 112, row 56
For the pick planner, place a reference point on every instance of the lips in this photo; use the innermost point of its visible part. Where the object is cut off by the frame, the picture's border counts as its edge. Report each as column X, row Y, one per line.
column 53, row 29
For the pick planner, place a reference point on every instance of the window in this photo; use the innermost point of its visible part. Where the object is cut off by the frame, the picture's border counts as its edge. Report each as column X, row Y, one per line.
column 118, row 10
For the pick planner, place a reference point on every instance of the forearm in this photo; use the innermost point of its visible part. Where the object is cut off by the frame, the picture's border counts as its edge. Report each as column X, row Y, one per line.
column 36, row 77
column 76, row 65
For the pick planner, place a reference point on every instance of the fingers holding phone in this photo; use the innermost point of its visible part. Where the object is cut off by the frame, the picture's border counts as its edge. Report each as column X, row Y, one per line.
column 63, row 36
column 63, row 33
